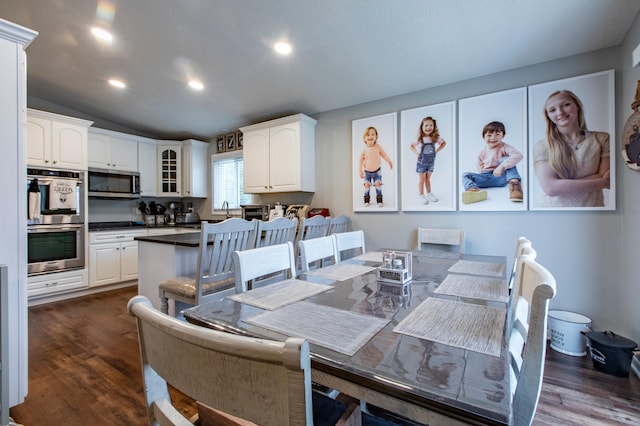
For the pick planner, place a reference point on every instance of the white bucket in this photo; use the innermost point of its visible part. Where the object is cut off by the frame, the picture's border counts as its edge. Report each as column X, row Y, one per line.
column 564, row 332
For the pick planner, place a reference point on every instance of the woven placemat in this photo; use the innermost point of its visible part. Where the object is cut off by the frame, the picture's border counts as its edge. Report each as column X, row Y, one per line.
column 463, row 325
column 342, row 331
column 478, row 268
column 475, row 287
column 277, row 295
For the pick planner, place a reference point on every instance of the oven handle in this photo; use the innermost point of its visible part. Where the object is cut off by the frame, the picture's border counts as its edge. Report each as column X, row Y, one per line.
column 54, row 228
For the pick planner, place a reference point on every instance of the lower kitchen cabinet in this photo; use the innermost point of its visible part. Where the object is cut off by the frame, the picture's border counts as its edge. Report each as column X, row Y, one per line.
column 113, row 257
column 59, row 282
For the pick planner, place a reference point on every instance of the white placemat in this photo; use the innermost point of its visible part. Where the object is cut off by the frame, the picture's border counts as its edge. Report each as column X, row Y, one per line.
column 341, row 271
column 475, row 287
column 274, row 296
column 342, row 331
column 463, row 325
column 370, row 256
column 478, row 268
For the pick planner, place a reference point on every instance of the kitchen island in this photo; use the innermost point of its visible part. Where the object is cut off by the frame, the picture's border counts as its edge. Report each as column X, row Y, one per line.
column 164, row 256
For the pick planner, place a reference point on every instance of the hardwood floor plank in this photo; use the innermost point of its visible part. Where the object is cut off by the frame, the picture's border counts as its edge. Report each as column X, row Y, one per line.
column 84, row 369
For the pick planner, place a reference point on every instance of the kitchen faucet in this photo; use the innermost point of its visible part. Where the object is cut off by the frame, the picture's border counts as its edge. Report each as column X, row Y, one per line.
column 225, row 206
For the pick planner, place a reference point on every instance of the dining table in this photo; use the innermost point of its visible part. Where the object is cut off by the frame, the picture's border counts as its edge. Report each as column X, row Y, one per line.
column 430, row 347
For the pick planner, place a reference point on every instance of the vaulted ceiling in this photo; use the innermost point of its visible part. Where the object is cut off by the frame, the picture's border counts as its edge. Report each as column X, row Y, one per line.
column 344, row 53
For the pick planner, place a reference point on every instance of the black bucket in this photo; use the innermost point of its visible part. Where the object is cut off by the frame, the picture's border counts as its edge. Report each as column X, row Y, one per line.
column 611, row 354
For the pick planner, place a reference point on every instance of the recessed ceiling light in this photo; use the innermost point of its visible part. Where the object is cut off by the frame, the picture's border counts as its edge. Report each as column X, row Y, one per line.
column 102, row 34
column 117, row 83
column 196, row 85
column 282, row 48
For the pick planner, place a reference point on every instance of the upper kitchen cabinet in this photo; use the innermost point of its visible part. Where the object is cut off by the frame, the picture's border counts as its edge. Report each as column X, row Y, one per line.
column 169, row 169
column 56, row 141
column 148, row 167
column 194, row 168
column 112, row 150
column 279, row 155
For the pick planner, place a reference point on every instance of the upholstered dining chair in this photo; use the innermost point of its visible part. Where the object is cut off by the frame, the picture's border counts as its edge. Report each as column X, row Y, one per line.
column 276, row 231
column 317, row 252
column 270, row 263
column 214, row 270
column 528, row 336
column 338, row 224
column 441, row 239
column 349, row 244
column 235, row 379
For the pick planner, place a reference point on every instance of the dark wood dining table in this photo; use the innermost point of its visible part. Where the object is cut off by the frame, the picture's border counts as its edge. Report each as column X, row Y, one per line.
column 427, row 381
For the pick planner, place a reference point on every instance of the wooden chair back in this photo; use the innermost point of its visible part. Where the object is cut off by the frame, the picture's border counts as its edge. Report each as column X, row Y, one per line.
column 277, row 231
column 521, row 245
column 214, row 270
column 313, row 227
column 528, row 338
column 263, row 381
column 272, row 263
column 441, row 238
column 236, row 380
column 349, row 244
column 317, row 252
column 338, row 224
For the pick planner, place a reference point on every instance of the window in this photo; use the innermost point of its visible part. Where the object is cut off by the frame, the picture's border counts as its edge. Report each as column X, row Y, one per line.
column 227, row 182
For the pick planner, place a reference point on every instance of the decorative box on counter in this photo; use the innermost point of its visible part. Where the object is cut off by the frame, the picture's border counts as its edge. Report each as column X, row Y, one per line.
column 396, row 267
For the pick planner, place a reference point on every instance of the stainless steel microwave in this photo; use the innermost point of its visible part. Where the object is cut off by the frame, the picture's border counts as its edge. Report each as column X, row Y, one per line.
column 105, row 183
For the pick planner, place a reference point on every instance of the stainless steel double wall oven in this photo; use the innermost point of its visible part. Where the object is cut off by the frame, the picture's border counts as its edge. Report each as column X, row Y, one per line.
column 55, row 225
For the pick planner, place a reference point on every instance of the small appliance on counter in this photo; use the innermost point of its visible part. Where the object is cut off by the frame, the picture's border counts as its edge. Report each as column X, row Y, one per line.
column 185, row 218
column 319, row 211
column 255, row 211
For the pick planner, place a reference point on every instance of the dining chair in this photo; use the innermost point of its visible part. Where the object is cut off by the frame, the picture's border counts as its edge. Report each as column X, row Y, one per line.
column 441, row 239
column 313, row 227
column 263, row 264
column 528, row 337
column 338, row 224
column 317, row 252
column 233, row 378
column 310, row 227
column 214, row 270
column 276, row 231
column 522, row 244
column 349, row 244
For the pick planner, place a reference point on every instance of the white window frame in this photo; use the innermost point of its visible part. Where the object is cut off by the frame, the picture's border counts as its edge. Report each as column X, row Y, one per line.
column 217, row 210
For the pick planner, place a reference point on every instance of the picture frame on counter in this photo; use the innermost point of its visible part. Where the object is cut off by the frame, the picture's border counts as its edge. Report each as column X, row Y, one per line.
column 239, row 140
column 230, row 142
column 221, row 144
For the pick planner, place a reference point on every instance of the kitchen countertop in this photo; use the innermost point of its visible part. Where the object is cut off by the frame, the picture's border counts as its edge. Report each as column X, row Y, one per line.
column 186, row 240
column 129, row 225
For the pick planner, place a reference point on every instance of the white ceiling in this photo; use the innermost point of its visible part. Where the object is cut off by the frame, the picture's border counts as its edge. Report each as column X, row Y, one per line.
column 346, row 52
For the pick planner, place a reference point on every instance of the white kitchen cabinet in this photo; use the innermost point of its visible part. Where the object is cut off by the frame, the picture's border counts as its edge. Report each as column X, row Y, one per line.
column 112, row 150
column 194, row 168
column 56, row 141
column 169, row 169
column 59, row 282
column 113, row 257
column 148, row 167
column 279, row 155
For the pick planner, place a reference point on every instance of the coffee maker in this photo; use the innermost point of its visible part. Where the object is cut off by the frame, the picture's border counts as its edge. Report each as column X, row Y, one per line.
column 173, row 211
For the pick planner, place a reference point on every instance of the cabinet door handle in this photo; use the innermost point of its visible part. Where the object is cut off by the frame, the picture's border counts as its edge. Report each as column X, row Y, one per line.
column 51, row 284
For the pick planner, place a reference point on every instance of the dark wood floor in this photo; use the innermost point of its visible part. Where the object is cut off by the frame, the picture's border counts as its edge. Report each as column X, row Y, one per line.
column 84, row 369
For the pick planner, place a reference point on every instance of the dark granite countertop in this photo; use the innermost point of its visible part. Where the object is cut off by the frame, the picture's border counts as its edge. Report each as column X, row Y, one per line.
column 126, row 225
column 187, row 240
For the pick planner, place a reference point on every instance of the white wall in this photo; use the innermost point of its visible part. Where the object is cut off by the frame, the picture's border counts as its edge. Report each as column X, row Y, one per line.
column 629, row 288
column 582, row 249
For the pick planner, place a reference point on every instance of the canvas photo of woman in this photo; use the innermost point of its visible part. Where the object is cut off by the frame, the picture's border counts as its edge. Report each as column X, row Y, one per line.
column 571, row 161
